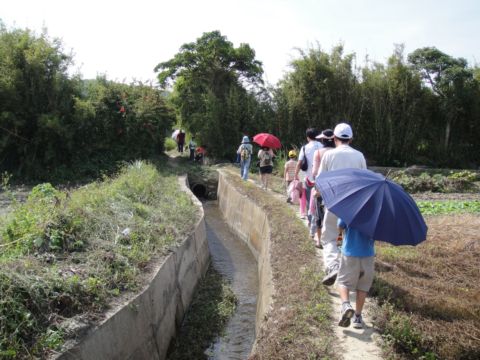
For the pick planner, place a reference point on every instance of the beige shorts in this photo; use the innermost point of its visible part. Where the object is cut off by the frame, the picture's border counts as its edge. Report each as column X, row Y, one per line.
column 356, row 273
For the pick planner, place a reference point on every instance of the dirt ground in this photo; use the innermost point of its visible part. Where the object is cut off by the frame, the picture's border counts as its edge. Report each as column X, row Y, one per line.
column 436, row 285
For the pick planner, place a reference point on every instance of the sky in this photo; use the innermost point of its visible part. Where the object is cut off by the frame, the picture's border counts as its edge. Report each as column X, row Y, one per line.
column 125, row 40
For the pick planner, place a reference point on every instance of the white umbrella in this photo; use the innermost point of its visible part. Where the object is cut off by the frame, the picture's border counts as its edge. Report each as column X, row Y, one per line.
column 175, row 133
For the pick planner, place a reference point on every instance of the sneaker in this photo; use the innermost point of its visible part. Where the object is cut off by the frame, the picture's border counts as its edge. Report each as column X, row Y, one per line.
column 347, row 313
column 358, row 322
column 330, row 277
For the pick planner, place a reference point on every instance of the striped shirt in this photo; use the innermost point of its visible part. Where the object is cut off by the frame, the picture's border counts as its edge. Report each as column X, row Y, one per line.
column 290, row 166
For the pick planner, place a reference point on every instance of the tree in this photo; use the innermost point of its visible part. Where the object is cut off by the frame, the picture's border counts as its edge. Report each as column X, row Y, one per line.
column 451, row 80
column 210, row 78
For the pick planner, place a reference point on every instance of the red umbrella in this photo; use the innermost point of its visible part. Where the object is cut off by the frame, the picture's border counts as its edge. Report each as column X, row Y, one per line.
column 267, row 140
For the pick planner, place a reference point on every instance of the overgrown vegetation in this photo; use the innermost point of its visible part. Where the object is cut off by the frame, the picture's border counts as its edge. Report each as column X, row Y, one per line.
column 455, row 181
column 211, row 308
column 64, row 254
column 57, row 126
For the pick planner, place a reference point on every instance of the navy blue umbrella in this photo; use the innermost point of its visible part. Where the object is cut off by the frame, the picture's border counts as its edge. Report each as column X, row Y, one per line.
column 373, row 204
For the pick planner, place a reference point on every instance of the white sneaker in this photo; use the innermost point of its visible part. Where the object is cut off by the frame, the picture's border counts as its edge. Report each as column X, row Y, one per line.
column 347, row 313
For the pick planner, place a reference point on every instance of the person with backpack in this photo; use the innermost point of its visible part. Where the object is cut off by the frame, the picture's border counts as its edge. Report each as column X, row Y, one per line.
column 245, row 152
column 265, row 157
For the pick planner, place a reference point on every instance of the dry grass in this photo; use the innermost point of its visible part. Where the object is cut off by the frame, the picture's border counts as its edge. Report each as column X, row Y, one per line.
column 437, row 285
column 298, row 327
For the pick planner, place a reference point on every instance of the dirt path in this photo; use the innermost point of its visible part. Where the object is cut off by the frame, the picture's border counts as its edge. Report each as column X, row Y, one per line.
column 355, row 343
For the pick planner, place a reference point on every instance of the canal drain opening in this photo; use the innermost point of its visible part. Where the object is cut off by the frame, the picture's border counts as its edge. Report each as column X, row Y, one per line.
column 199, row 190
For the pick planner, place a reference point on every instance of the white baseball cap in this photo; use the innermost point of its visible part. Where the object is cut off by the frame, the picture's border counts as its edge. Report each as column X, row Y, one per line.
column 343, row 131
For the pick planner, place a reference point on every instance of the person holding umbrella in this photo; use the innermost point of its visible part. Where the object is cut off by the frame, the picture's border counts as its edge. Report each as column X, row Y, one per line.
column 369, row 206
column 265, row 155
column 343, row 156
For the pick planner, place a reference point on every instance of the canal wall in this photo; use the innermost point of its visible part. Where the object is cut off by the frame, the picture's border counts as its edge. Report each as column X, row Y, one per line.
column 142, row 327
column 250, row 223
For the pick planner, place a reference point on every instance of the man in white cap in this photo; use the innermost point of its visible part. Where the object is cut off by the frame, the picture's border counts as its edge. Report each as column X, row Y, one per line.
column 343, row 156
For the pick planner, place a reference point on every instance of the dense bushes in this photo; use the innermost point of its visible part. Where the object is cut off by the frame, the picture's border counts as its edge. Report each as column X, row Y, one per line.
column 53, row 125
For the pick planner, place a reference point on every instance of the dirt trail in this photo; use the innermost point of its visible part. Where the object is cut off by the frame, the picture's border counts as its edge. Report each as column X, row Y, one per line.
column 355, row 343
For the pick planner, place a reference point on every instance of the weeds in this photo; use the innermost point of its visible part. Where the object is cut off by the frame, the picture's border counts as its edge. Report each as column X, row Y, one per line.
column 63, row 254
column 211, row 307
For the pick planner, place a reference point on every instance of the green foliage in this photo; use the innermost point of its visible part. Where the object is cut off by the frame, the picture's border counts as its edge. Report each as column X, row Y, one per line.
column 399, row 332
column 212, row 306
column 210, row 93
column 403, row 112
column 448, row 207
column 454, row 182
column 170, row 144
column 57, row 126
column 63, row 254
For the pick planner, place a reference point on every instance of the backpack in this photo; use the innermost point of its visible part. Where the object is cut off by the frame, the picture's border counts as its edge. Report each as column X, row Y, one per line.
column 266, row 159
column 304, row 166
column 244, row 153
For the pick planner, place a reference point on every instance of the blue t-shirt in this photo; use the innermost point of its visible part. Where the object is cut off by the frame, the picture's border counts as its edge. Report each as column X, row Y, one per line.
column 356, row 243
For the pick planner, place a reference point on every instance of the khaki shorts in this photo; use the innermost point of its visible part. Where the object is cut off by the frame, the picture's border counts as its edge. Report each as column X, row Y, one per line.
column 356, row 273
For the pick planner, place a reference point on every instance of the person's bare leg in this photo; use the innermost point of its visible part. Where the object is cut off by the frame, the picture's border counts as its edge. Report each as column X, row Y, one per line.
column 360, row 301
column 344, row 293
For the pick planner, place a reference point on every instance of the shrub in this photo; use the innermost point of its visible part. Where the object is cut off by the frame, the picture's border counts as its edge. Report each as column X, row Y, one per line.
column 66, row 253
column 170, row 144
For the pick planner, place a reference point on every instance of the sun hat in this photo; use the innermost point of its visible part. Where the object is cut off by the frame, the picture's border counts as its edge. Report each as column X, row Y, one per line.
column 325, row 134
column 245, row 140
column 292, row 153
column 343, row 131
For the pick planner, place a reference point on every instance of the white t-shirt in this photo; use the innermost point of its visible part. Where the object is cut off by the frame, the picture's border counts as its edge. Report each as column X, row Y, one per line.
column 309, row 150
column 342, row 157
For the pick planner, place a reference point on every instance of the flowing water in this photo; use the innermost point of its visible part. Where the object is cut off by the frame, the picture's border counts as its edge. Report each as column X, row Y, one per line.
column 232, row 258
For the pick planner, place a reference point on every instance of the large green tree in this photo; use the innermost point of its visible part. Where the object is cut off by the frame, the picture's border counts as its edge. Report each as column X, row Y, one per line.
column 453, row 82
column 213, row 86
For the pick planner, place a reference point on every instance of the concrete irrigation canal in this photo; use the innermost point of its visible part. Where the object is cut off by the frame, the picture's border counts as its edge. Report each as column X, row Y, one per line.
column 232, row 233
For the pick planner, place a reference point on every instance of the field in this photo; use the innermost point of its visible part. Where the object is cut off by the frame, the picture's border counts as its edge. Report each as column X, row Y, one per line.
column 429, row 296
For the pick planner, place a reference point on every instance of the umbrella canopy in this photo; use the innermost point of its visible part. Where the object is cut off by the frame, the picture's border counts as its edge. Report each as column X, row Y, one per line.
column 175, row 133
column 372, row 204
column 267, row 140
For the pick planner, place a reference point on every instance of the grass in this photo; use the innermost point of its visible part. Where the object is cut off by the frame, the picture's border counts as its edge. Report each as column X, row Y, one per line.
column 212, row 306
column 64, row 254
column 429, row 295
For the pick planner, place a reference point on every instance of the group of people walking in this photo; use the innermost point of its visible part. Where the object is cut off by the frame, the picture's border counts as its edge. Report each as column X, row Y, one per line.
column 352, row 267
column 265, row 161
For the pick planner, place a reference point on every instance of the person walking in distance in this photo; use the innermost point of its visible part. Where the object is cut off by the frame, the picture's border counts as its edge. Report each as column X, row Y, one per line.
column 343, row 156
column 192, row 145
column 306, row 155
column 245, row 151
column 180, row 141
column 289, row 170
column 265, row 155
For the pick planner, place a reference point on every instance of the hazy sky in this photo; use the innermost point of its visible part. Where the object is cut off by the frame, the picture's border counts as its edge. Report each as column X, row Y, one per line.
column 126, row 39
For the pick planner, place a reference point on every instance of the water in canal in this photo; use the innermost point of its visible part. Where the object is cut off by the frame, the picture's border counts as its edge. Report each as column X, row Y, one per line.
column 232, row 258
